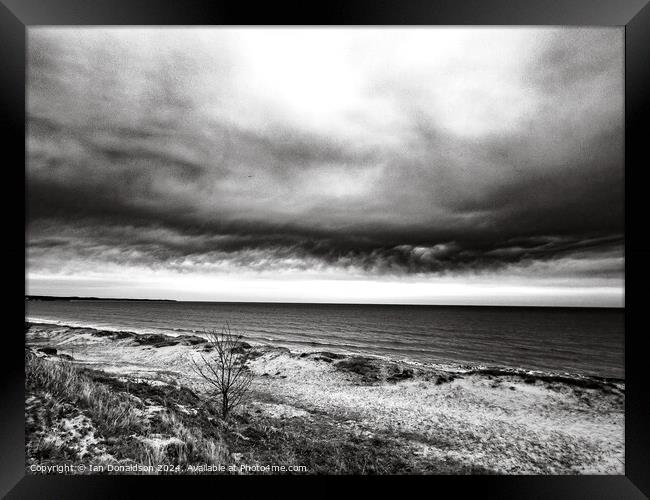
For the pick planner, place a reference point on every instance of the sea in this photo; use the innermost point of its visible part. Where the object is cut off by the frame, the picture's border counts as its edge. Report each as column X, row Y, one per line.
column 587, row 341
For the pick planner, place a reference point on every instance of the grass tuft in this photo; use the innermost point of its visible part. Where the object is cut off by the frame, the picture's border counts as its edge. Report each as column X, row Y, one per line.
column 126, row 431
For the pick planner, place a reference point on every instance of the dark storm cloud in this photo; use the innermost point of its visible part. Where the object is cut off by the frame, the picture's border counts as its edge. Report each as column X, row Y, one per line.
column 148, row 174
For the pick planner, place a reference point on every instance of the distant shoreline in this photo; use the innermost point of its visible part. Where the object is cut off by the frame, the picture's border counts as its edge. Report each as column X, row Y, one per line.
column 75, row 298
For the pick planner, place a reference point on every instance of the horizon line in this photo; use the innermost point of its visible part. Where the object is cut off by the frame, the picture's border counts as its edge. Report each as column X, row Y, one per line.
column 125, row 299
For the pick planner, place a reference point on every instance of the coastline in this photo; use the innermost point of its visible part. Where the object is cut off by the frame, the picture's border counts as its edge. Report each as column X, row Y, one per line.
column 436, row 418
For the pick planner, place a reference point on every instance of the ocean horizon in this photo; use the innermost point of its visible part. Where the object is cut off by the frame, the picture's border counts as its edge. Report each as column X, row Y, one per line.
column 588, row 341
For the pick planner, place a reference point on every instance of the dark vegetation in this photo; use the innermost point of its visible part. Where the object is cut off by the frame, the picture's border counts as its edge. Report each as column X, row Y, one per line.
column 372, row 370
column 116, row 413
column 584, row 382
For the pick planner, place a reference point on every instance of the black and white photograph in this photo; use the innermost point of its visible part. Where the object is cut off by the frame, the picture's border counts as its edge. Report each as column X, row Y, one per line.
column 325, row 250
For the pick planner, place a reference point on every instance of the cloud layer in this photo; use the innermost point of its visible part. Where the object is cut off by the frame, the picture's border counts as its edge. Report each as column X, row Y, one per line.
column 355, row 153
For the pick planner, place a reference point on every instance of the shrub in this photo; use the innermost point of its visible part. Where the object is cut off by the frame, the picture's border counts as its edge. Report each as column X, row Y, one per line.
column 225, row 368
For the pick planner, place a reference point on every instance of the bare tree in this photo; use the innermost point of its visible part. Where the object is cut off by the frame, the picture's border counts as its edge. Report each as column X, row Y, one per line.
column 225, row 369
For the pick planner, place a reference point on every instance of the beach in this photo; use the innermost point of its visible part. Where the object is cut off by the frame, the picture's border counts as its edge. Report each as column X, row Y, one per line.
column 315, row 412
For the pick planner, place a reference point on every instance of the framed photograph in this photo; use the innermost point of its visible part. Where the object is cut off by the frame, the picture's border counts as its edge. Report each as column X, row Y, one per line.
column 389, row 242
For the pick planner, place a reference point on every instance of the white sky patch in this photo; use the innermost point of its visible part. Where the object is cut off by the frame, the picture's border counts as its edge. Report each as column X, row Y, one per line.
column 340, row 81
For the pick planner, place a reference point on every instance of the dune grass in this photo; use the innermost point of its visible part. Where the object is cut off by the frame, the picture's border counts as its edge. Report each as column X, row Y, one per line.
column 125, row 432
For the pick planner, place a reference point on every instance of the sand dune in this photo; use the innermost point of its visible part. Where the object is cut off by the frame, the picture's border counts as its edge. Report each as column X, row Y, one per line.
column 488, row 419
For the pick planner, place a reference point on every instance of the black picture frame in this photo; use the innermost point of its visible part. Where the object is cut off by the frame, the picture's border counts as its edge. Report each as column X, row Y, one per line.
column 17, row 15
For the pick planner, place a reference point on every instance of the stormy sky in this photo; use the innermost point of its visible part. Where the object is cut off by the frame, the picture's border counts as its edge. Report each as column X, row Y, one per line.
column 426, row 165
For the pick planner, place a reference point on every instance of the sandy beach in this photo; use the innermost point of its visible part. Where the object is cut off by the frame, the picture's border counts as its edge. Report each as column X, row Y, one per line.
column 328, row 412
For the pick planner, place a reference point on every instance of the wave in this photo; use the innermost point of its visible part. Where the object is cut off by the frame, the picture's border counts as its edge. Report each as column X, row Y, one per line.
column 528, row 376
